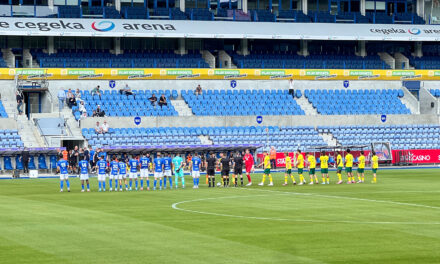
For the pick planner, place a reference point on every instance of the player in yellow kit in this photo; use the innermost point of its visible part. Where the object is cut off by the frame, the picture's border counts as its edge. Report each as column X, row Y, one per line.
column 375, row 165
column 324, row 167
column 300, row 166
column 312, row 167
column 288, row 169
column 361, row 168
column 267, row 167
column 349, row 167
column 339, row 166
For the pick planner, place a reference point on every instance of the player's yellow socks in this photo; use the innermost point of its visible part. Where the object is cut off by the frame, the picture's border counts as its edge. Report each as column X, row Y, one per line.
column 339, row 177
column 285, row 179
column 374, row 180
column 323, row 180
column 316, row 179
column 328, row 180
column 270, row 178
column 363, row 178
column 359, row 178
column 301, row 178
column 264, row 178
column 293, row 178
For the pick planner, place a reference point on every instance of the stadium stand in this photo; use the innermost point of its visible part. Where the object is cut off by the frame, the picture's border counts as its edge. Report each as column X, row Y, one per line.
column 400, row 136
column 116, row 104
column 3, row 113
column 290, row 60
column 249, row 102
column 10, row 139
column 356, row 102
column 199, row 14
column 130, row 59
column 283, row 138
column 2, row 61
column 435, row 92
column 143, row 136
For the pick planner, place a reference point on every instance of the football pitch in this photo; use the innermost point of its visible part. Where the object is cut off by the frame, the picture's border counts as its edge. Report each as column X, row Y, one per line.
column 396, row 220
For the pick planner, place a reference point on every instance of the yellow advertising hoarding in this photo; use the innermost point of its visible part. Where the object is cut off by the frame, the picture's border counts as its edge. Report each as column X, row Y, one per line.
column 216, row 74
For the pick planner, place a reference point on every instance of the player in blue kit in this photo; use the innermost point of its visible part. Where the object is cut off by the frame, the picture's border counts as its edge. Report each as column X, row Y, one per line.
column 114, row 173
column 101, row 166
column 122, row 174
column 167, row 162
column 84, row 176
column 64, row 175
column 145, row 162
column 158, row 170
column 133, row 176
column 195, row 170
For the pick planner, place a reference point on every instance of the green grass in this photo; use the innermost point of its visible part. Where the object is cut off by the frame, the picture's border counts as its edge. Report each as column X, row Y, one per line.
column 394, row 221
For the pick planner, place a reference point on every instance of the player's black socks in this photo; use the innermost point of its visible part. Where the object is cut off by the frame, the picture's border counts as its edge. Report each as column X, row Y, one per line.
column 241, row 179
column 209, row 181
column 213, row 181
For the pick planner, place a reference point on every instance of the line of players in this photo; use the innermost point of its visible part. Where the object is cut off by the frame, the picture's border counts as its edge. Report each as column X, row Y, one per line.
column 122, row 175
column 324, row 165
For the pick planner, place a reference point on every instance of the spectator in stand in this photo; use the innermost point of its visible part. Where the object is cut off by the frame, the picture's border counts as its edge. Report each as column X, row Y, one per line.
column 82, row 109
column 94, row 114
column 19, row 99
column 96, row 91
column 199, row 90
column 99, row 112
column 153, row 99
column 98, row 128
column 127, row 91
column 61, row 97
column 291, row 89
column 71, row 101
column 78, row 96
column 273, row 157
column 162, row 101
column 104, row 127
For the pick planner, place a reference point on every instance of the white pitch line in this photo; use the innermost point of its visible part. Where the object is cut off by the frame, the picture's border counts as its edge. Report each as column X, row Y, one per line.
column 350, row 198
column 176, row 207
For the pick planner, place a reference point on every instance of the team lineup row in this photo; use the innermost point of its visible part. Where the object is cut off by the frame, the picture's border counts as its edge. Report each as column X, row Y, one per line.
column 163, row 168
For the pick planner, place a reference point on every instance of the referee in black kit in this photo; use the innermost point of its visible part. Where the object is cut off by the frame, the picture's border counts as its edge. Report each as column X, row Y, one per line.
column 225, row 162
column 211, row 162
column 238, row 168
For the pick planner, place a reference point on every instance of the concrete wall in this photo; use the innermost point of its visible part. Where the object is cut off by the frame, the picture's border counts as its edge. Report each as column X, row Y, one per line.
column 8, row 123
column 213, row 121
column 426, row 100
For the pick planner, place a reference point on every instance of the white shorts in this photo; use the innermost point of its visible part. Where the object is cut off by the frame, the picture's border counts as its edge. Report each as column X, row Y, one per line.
column 64, row 176
column 133, row 175
column 158, row 174
column 113, row 176
column 144, row 173
column 101, row 177
column 122, row 176
column 195, row 174
column 167, row 173
column 84, row 177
